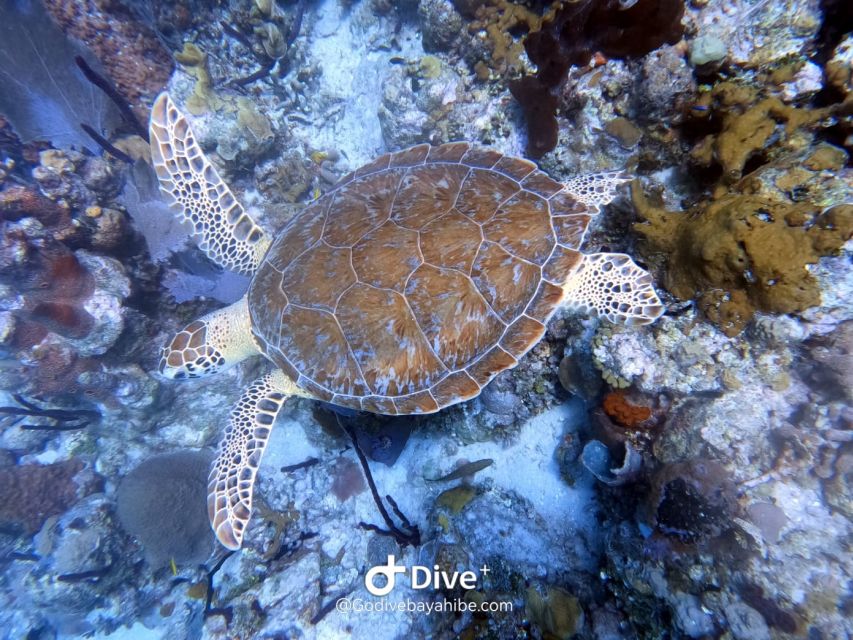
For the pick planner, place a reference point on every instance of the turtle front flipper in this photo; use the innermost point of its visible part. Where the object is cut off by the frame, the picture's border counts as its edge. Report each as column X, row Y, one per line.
column 210, row 344
column 613, row 286
column 595, row 190
column 227, row 234
column 232, row 478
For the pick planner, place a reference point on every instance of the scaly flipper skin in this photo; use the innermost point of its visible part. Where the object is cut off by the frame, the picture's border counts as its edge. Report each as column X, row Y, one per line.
column 614, row 287
column 211, row 344
column 227, row 234
column 232, row 478
column 596, row 189
column 610, row 284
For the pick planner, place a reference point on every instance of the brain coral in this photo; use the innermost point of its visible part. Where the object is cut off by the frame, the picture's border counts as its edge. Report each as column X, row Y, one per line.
column 162, row 503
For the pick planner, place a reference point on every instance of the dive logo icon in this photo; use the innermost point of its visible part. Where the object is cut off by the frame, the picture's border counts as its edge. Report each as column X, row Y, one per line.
column 390, row 572
column 421, row 578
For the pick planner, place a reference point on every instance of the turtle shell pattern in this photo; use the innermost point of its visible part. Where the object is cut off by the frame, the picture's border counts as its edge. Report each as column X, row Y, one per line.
column 418, row 278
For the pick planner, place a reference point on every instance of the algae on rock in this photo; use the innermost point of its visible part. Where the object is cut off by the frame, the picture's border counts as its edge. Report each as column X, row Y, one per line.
column 746, row 247
column 744, row 251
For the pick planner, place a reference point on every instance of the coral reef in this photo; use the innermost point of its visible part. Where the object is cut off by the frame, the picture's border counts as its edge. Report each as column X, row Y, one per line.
column 162, row 503
column 441, row 24
column 79, row 570
column 747, row 250
column 130, row 52
column 571, row 36
column 427, row 92
column 35, row 492
column 698, row 484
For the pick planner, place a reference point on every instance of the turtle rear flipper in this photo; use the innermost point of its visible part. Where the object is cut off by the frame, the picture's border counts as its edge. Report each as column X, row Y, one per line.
column 232, row 477
column 227, row 234
column 613, row 286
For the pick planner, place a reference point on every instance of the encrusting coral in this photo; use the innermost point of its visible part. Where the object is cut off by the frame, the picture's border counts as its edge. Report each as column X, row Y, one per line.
column 748, row 126
column 746, row 248
column 19, row 201
column 35, row 492
column 743, row 252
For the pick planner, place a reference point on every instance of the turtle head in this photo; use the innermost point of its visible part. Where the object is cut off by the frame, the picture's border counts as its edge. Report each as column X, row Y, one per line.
column 212, row 343
column 189, row 354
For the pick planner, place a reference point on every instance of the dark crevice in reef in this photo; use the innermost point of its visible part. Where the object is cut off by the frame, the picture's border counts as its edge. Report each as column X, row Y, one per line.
column 577, row 31
column 837, row 22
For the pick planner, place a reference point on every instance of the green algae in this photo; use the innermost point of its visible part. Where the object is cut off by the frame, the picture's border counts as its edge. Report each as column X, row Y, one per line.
column 456, row 499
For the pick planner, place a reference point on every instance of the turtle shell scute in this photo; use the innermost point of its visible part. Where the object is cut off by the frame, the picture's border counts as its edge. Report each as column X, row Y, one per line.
column 418, row 278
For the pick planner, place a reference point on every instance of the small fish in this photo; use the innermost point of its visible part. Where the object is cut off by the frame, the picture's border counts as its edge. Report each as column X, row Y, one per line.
column 174, row 566
column 465, row 470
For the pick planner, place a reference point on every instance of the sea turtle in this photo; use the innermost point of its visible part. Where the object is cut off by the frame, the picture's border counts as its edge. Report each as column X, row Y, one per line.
column 403, row 290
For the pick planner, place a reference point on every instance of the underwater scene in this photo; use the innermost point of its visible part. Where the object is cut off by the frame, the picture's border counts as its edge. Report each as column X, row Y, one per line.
column 426, row 319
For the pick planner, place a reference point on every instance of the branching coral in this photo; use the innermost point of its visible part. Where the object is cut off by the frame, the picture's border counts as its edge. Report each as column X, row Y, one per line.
column 746, row 248
column 748, row 126
column 498, row 20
